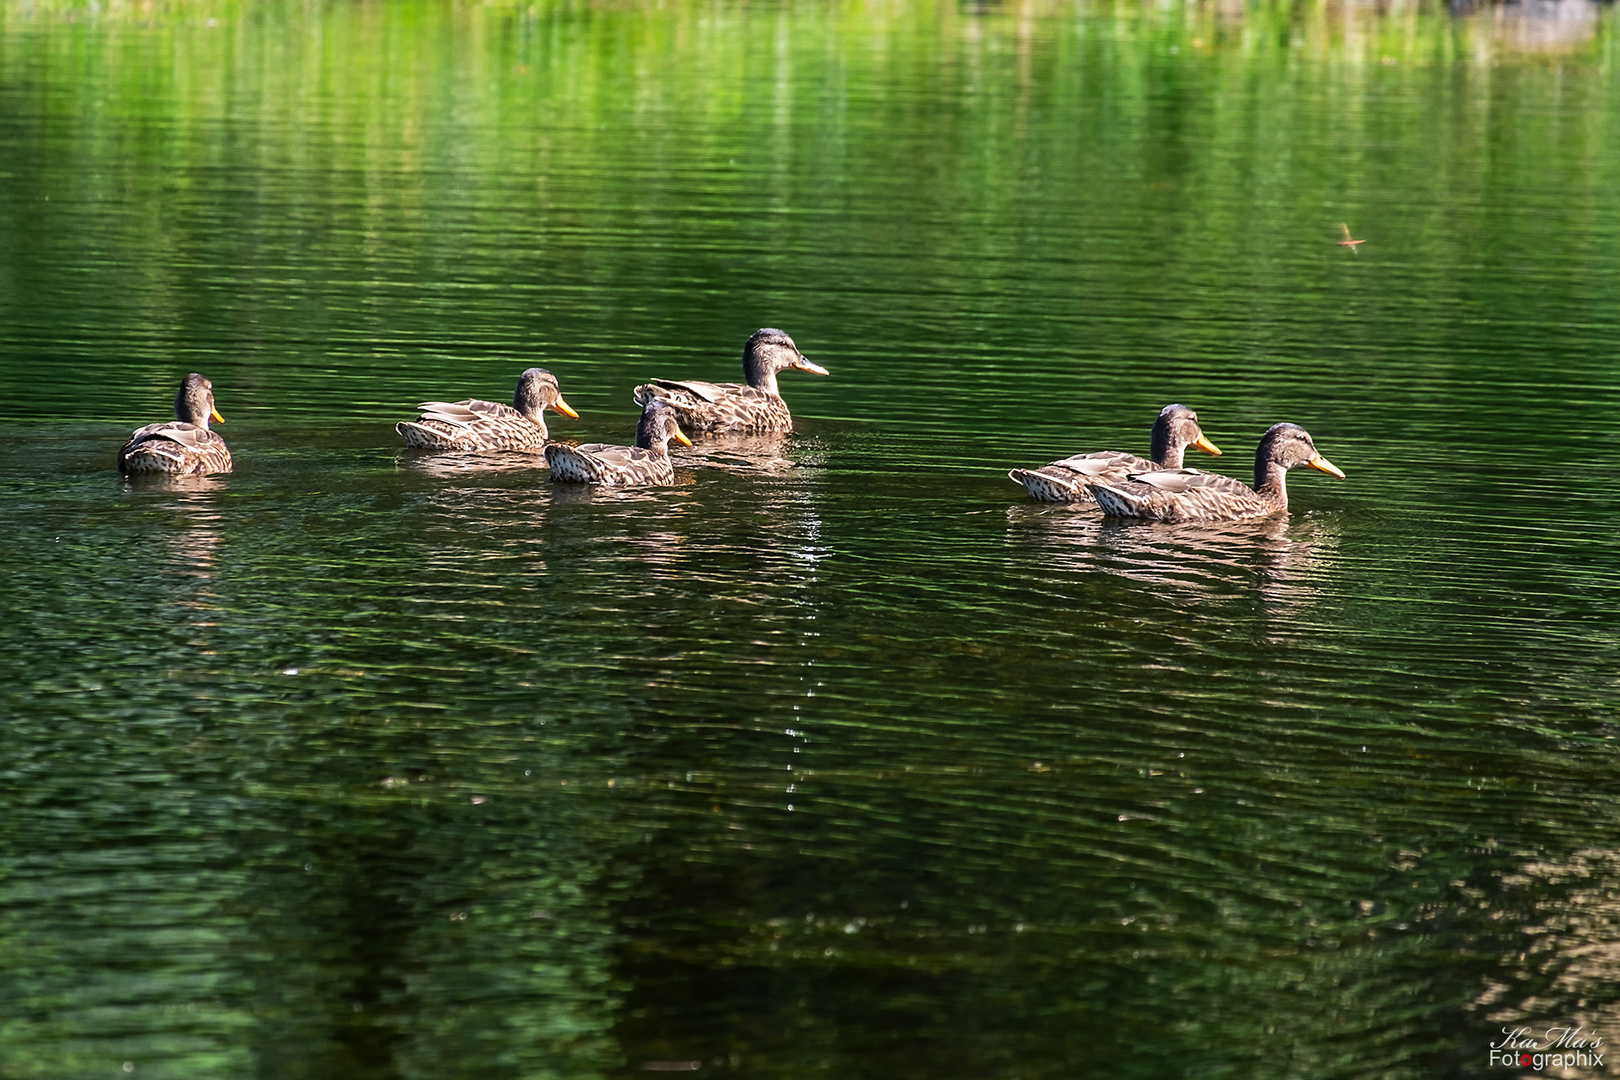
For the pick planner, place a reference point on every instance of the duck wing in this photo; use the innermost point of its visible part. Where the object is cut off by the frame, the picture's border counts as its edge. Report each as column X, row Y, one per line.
column 1070, row 479
column 687, row 392
column 1182, row 495
column 470, row 411
column 473, row 424
column 174, row 447
column 1104, row 462
column 604, row 463
column 722, row 408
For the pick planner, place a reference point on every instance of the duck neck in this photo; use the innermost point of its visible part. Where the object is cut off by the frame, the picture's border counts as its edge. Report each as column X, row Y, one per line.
column 760, row 375
column 189, row 410
column 529, row 399
column 763, row 378
column 1166, row 451
column 1271, row 481
column 652, row 436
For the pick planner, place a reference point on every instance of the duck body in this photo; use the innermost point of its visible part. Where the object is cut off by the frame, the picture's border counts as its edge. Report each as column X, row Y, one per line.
column 1181, row 495
column 474, row 424
column 183, row 446
column 752, row 408
column 646, row 463
column 1070, row 479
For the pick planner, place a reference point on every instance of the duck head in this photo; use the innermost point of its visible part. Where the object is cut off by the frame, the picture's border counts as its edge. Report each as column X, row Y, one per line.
column 770, row 351
column 1284, row 447
column 657, row 426
column 194, row 404
column 1175, row 430
column 537, row 391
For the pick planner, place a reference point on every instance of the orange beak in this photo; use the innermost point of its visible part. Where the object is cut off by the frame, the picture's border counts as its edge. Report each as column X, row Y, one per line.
column 213, row 414
column 803, row 364
column 1206, row 446
column 680, row 437
column 1322, row 464
column 563, row 407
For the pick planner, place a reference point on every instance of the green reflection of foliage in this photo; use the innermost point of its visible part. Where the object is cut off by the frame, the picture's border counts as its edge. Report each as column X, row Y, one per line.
column 1423, row 30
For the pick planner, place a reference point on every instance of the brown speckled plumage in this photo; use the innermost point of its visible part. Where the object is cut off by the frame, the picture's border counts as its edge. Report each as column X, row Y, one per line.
column 1070, row 480
column 732, row 408
column 647, row 462
column 474, row 424
column 1190, row 495
column 183, row 446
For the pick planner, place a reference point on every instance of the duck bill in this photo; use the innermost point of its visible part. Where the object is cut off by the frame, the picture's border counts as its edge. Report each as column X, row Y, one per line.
column 680, row 437
column 1322, row 464
column 213, row 414
column 1206, row 446
column 803, row 364
column 563, row 407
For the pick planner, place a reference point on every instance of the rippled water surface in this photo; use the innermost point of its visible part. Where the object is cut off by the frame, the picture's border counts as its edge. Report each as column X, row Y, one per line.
column 839, row 757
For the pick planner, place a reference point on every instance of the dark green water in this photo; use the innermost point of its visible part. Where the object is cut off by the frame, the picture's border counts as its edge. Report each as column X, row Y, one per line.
column 839, row 758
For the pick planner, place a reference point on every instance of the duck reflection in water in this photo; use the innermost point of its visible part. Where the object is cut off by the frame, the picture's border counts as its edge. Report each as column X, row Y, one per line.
column 765, row 543
column 186, row 551
column 451, row 464
column 764, row 455
column 1281, row 558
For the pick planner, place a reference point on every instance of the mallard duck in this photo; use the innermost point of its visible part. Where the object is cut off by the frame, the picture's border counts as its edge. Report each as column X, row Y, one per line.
column 1070, row 480
column 183, row 446
column 475, row 424
column 731, row 408
column 1190, row 495
column 647, row 462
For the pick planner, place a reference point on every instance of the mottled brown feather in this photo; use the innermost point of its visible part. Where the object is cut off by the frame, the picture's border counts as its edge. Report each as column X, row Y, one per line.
column 1069, row 480
column 474, row 424
column 645, row 463
column 183, row 446
column 1190, row 495
column 756, row 408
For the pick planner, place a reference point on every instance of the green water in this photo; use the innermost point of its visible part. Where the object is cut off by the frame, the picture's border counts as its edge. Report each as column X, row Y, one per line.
column 839, row 757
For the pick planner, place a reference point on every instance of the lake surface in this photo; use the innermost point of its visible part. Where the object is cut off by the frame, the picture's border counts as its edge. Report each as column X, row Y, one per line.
column 839, row 757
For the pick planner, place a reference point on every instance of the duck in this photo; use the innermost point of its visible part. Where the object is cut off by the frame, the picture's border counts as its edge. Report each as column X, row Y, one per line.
column 1070, row 479
column 183, row 446
column 475, row 424
column 1189, row 495
column 732, row 408
column 645, row 463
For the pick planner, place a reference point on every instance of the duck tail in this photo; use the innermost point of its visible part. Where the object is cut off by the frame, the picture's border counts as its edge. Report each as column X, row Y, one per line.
column 1117, row 503
column 416, row 434
column 1047, row 486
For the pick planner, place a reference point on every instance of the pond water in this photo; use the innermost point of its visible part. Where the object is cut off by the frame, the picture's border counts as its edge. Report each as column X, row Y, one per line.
column 839, row 757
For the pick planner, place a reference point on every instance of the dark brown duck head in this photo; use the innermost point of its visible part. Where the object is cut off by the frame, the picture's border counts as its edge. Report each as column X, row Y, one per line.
column 770, row 351
column 194, row 404
column 657, row 426
column 1175, row 430
column 536, row 392
column 1284, row 447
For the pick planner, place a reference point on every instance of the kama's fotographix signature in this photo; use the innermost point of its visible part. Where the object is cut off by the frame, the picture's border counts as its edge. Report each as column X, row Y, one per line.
column 1558, row 1048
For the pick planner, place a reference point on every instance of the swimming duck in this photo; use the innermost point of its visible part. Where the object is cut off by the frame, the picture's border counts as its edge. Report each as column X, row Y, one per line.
column 475, row 424
column 1070, row 479
column 647, row 462
column 730, row 408
column 1190, row 495
column 183, row 446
